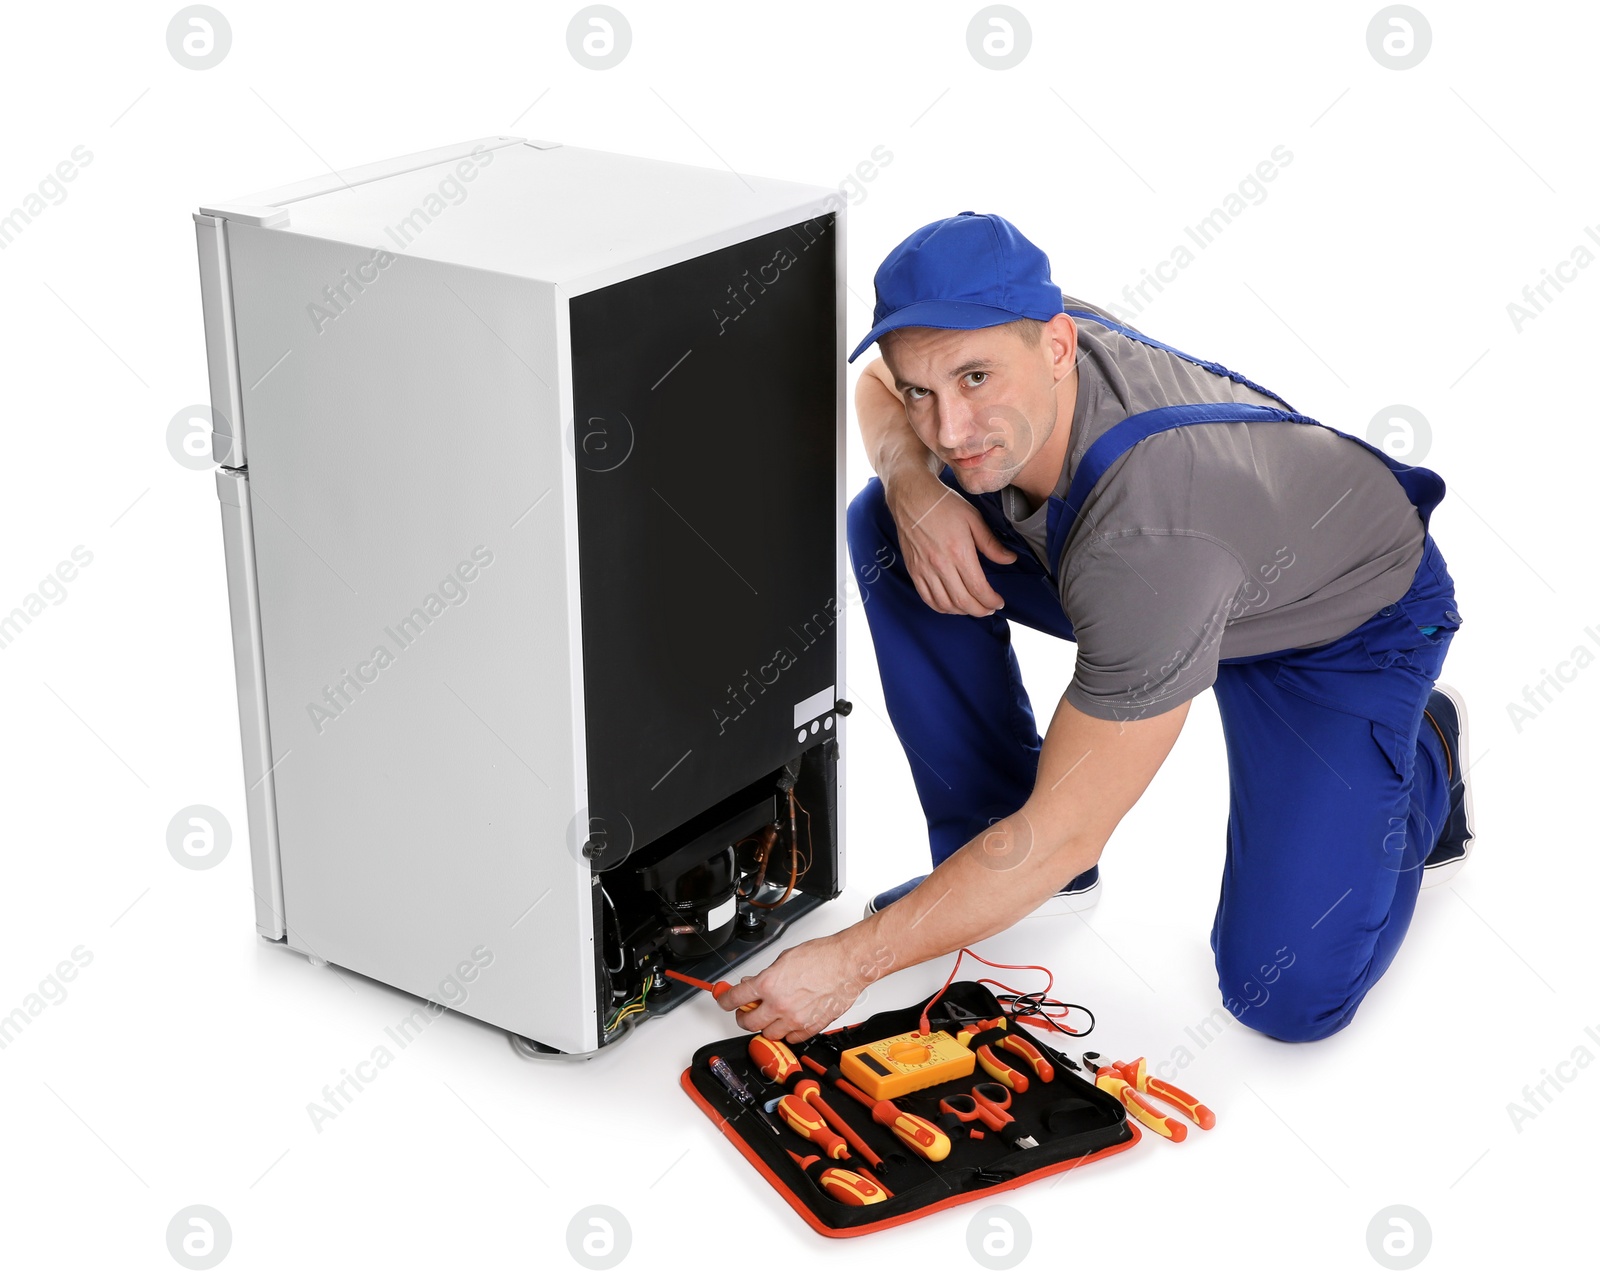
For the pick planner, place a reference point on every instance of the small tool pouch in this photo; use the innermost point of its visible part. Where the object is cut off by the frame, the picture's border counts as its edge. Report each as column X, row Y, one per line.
column 1072, row 1120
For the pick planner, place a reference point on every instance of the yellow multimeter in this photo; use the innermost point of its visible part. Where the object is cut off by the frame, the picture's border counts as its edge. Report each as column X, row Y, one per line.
column 906, row 1062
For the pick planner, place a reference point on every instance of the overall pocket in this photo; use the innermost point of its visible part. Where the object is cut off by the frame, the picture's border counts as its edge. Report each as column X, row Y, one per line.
column 1414, row 632
column 1416, row 629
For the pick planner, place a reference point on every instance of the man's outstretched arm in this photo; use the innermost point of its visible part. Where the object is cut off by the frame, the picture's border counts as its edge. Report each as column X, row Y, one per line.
column 1091, row 771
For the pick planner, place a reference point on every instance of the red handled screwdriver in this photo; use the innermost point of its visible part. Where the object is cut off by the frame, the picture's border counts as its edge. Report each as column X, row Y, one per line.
column 806, row 1122
column 916, row 1133
column 854, row 1188
column 808, row 1090
column 715, row 990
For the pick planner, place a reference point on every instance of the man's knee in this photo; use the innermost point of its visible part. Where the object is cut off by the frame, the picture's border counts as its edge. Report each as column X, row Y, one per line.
column 1287, row 1022
column 1284, row 997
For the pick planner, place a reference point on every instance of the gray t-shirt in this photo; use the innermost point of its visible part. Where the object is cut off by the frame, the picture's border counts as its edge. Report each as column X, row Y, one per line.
column 1210, row 541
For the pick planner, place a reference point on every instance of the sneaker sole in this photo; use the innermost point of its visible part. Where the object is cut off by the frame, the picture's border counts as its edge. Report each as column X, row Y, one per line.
column 1055, row 907
column 1438, row 875
column 1059, row 906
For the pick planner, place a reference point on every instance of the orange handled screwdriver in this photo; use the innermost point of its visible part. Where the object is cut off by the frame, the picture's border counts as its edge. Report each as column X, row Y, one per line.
column 1108, row 1079
column 808, row 1090
column 854, row 1188
column 916, row 1133
column 805, row 1120
column 773, row 1060
column 1138, row 1077
column 715, row 990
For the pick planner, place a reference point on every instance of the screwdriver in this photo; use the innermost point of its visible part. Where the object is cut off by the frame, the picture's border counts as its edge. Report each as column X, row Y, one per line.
column 916, row 1133
column 855, row 1188
column 724, row 1073
column 774, row 1060
column 808, row 1090
column 715, row 990
column 806, row 1122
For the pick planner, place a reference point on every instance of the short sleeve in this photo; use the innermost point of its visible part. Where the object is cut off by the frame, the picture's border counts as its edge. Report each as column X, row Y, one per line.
column 1148, row 610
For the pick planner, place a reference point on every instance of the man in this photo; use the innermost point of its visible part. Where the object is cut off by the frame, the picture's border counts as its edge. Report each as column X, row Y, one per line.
column 1183, row 525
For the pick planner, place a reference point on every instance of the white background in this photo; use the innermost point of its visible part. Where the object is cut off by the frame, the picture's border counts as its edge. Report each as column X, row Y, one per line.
column 1377, row 270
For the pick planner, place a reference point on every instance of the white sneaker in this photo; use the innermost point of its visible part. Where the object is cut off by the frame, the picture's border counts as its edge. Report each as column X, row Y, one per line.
column 1078, row 896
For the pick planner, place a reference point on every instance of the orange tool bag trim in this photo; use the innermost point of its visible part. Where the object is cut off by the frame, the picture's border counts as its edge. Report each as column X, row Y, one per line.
column 1086, row 1124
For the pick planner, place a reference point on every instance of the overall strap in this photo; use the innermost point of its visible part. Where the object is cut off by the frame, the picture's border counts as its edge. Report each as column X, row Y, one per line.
column 1105, row 450
column 1422, row 486
column 1209, row 365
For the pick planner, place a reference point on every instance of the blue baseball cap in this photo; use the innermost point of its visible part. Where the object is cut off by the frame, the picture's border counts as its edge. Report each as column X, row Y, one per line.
column 973, row 270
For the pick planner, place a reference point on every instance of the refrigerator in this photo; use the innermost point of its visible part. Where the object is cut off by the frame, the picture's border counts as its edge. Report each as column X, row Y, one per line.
column 530, row 461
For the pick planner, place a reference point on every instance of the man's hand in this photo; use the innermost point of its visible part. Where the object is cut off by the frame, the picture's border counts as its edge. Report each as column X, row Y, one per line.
column 1091, row 771
column 941, row 537
column 804, row 991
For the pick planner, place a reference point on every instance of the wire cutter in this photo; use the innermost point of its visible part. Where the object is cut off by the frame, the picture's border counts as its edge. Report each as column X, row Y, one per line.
column 1131, row 1082
column 1109, row 1080
column 1138, row 1077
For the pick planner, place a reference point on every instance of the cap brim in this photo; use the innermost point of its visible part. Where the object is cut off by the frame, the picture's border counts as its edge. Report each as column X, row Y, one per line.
column 937, row 314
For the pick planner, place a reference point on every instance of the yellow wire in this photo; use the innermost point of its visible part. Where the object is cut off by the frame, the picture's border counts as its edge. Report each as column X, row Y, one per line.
column 632, row 1007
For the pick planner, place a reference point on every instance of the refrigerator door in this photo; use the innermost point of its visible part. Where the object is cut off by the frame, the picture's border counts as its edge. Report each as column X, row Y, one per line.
column 238, row 544
column 414, row 549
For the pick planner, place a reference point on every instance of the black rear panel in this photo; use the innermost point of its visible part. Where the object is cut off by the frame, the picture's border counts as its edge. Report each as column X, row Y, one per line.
column 705, row 437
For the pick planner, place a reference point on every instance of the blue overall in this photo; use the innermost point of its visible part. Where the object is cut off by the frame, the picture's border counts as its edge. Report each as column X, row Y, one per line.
column 1336, row 793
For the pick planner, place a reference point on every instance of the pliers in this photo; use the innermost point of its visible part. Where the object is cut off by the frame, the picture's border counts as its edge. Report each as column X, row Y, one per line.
column 1131, row 1082
column 1138, row 1077
column 970, row 1025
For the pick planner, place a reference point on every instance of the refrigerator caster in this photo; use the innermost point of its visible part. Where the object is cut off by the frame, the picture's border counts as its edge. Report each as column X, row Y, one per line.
column 316, row 961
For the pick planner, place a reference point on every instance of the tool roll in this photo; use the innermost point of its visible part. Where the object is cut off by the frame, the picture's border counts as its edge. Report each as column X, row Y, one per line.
column 908, row 1172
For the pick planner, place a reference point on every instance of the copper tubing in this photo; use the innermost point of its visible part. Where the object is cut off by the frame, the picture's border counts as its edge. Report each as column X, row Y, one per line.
column 794, row 860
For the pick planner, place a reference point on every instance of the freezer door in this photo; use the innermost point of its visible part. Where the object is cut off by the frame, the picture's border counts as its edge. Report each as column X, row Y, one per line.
column 222, row 356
